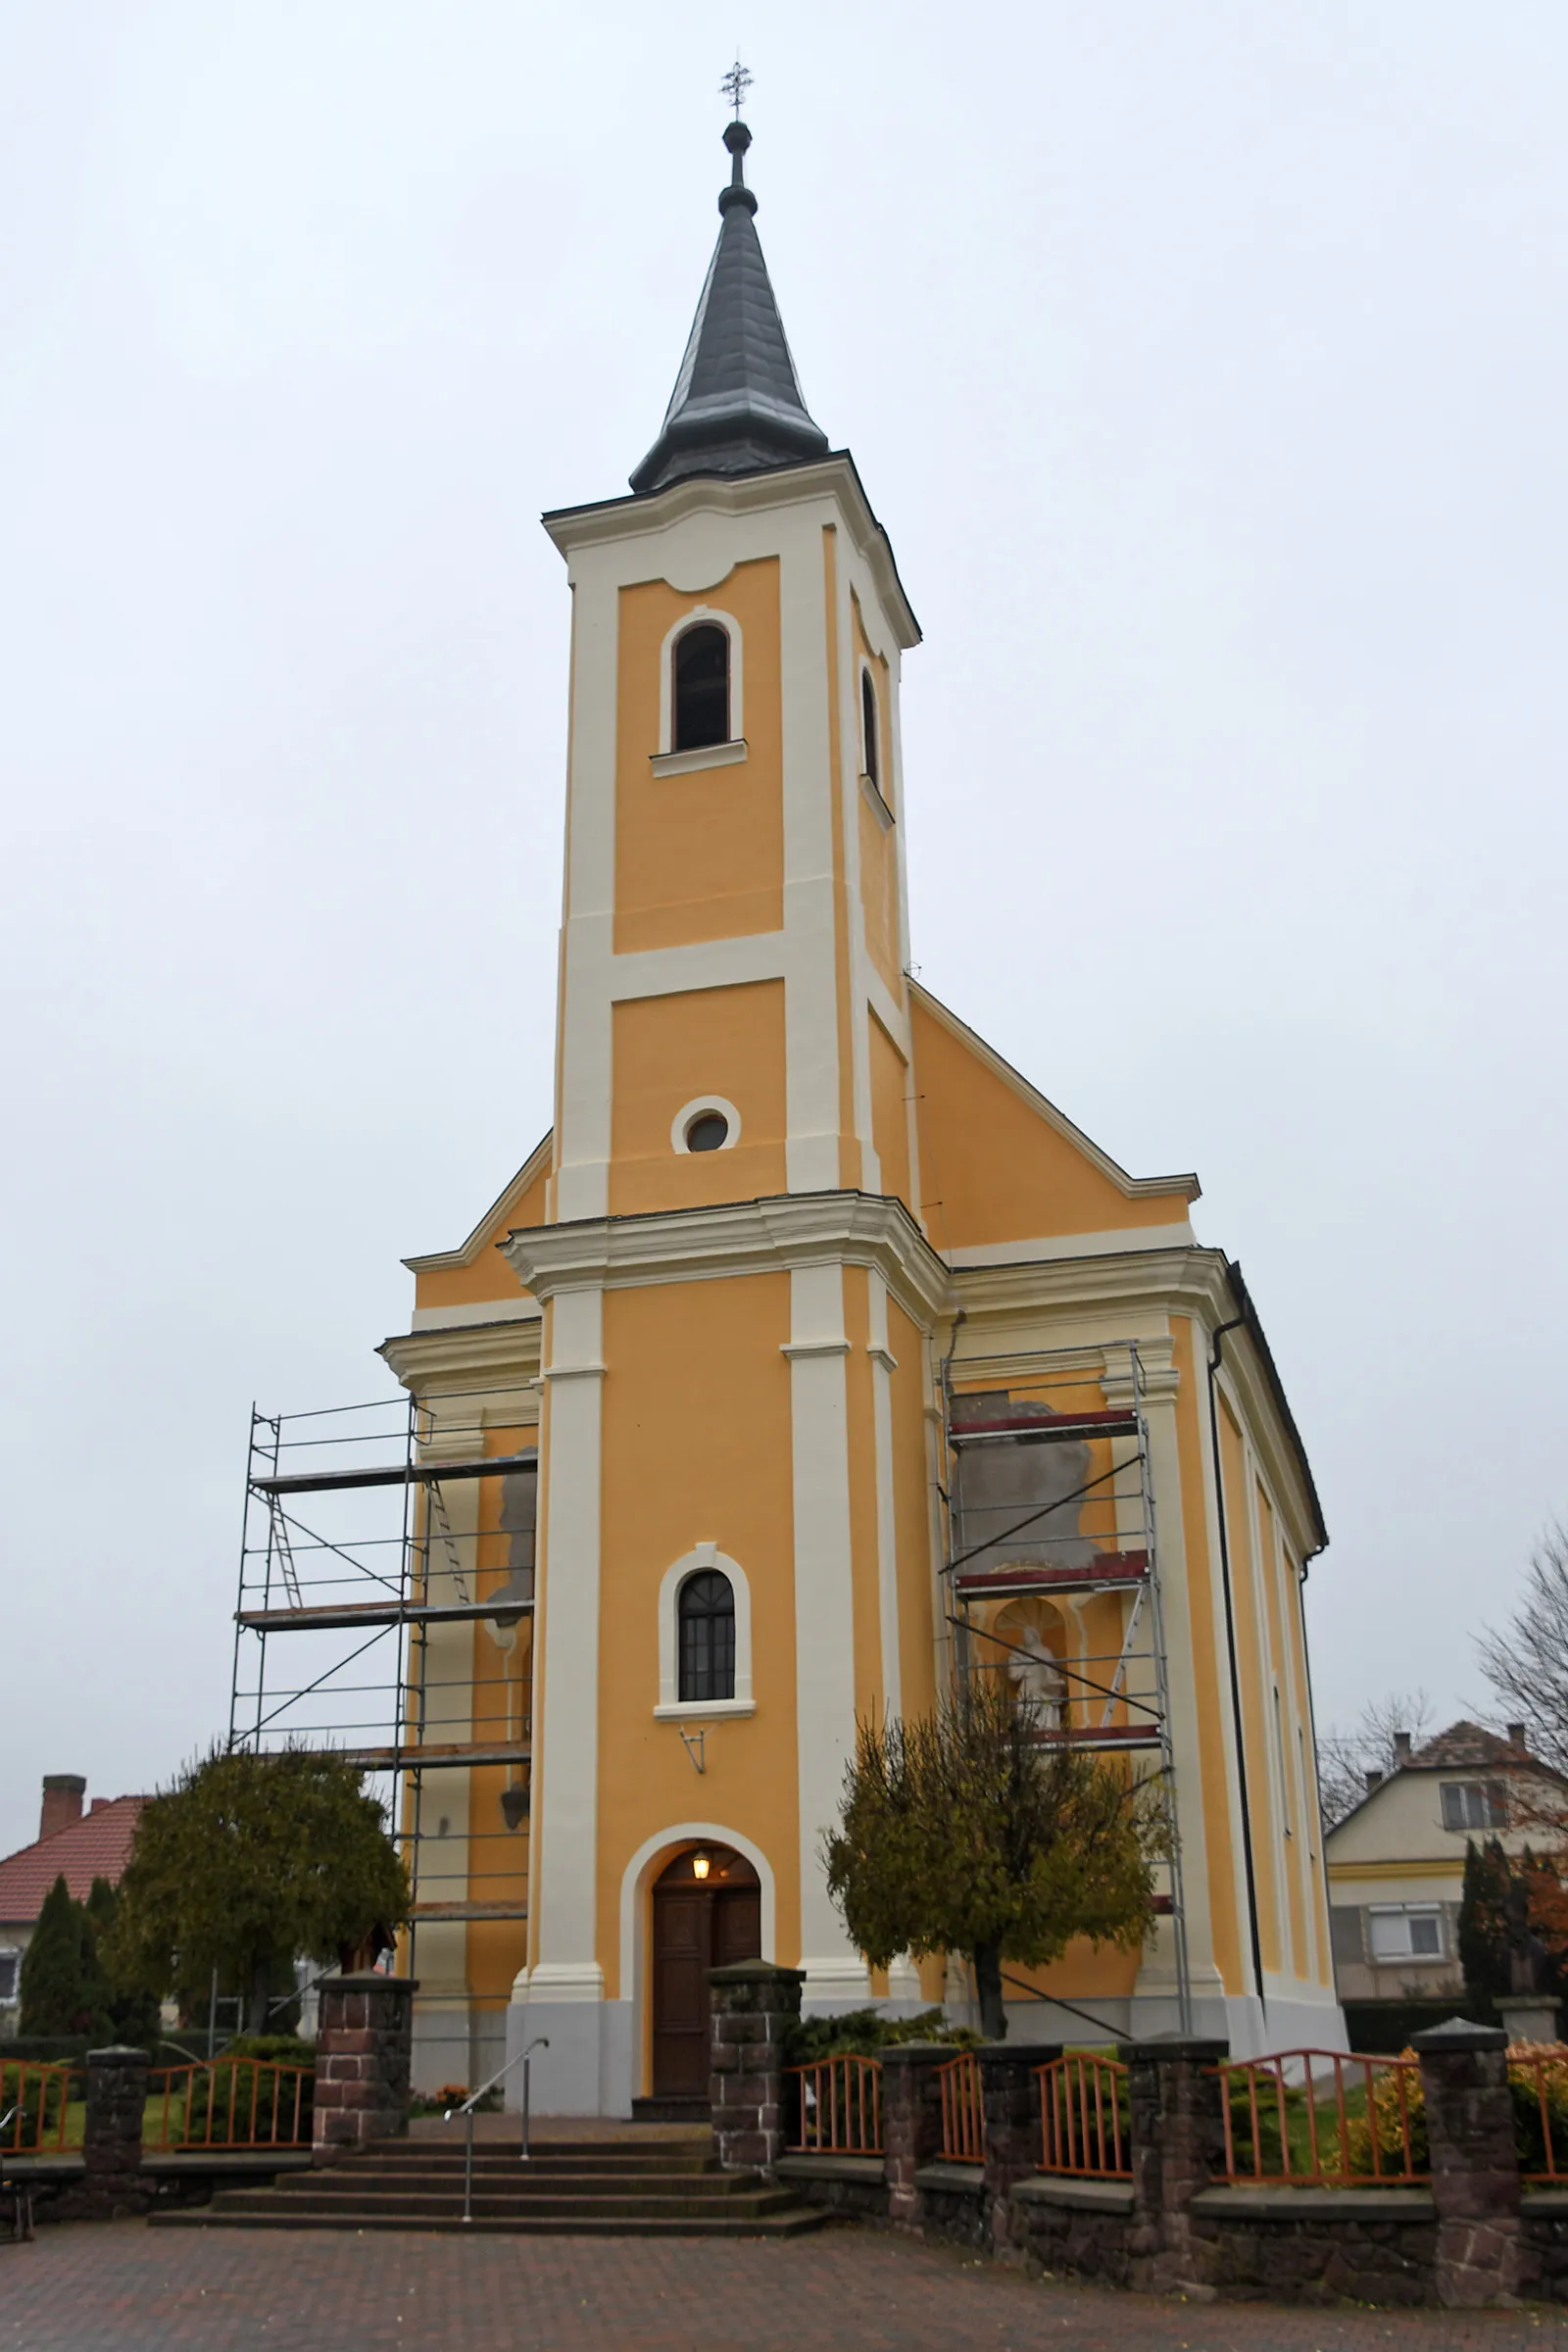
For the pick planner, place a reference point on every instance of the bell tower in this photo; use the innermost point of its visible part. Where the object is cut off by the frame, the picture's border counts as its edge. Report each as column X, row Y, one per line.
column 733, row 1016
column 738, row 1294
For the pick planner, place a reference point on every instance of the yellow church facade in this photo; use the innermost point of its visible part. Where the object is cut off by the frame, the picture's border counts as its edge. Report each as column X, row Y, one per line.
column 830, row 1362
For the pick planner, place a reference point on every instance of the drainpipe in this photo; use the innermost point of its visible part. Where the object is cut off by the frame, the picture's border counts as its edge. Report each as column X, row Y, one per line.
column 1216, row 1353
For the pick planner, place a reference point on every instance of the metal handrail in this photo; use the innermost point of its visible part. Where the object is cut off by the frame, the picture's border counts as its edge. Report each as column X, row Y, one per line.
column 540, row 2042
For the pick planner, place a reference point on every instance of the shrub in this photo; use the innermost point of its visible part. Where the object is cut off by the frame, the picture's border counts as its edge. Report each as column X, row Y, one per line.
column 234, row 2103
column 861, row 2032
column 39, row 2097
column 274, row 2049
column 1530, row 2087
column 1381, row 2124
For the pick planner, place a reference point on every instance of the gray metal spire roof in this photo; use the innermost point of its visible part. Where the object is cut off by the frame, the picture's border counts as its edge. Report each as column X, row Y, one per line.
column 736, row 406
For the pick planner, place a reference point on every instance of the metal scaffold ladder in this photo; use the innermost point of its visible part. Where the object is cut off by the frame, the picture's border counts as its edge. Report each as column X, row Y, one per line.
column 1051, row 1501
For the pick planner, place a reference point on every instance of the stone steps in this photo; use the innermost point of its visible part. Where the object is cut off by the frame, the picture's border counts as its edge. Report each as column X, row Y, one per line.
column 586, row 2188
column 794, row 2224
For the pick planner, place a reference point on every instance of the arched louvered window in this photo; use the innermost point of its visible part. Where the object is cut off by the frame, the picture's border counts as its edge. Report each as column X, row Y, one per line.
column 707, row 1622
column 700, row 702
column 868, row 729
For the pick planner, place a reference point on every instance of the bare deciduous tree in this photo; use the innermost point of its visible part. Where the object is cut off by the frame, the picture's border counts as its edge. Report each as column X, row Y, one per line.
column 1344, row 1758
column 1527, row 1662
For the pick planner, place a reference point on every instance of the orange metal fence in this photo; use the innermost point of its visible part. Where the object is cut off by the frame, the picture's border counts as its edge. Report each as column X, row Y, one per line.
column 232, row 2103
column 1317, row 2119
column 1083, row 2117
column 840, row 2107
column 34, row 2098
column 964, row 2136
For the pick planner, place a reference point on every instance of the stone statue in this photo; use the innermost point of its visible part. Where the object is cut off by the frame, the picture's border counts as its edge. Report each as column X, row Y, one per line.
column 1038, row 1680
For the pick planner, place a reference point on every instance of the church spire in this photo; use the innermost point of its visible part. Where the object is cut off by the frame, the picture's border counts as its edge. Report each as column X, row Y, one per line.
column 736, row 406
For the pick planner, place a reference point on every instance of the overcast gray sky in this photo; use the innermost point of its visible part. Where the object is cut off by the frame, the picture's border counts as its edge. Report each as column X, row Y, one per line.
column 1207, row 364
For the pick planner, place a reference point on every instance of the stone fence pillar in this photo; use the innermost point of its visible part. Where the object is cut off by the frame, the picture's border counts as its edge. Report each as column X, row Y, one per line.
column 1178, row 2145
column 1013, row 2144
column 111, row 2143
column 755, row 2004
column 363, row 2044
column 1475, row 2163
column 911, row 2122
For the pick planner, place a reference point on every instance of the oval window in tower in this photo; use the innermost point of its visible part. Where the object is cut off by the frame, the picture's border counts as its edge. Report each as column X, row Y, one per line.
column 707, row 1132
column 700, row 702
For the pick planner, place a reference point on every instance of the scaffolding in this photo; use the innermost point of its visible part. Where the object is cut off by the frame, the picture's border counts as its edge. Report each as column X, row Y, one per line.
column 1051, row 1575
column 385, row 1616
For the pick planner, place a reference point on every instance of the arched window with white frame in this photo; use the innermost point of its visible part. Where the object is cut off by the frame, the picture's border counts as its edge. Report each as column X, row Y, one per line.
column 705, row 1636
column 699, row 688
column 706, row 1617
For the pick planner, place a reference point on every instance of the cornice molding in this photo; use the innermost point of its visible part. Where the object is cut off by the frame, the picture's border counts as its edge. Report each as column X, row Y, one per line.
column 833, row 476
column 479, row 1356
column 1191, row 1278
column 745, row 1237
column 1149, row 1283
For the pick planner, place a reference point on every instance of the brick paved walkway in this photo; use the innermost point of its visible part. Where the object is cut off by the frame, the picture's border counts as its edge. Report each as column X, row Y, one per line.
column 120, row 2287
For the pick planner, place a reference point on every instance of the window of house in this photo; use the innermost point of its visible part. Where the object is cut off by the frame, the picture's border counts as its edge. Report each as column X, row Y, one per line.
column 868, row 731
column 700, row 704
column 1473, row 1805
column 706, row 1618
column 9, row 1975
column 1406, row 1931
column 707, row 1132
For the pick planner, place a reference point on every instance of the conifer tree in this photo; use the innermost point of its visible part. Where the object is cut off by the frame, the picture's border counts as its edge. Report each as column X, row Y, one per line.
column 961, row 1833
column 60, row 1986
column 247, row 1862
column 131, row 2011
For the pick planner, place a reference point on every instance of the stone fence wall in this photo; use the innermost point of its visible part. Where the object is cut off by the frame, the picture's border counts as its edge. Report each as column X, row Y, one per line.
column 361, row 2095
column 1474, row 2236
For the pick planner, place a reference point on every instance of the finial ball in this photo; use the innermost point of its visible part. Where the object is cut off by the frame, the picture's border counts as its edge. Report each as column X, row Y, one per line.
column 737, row 138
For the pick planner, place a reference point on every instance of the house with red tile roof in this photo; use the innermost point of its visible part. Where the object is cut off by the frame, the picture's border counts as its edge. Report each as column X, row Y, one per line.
column 1395, row 1863
column 76, row 1844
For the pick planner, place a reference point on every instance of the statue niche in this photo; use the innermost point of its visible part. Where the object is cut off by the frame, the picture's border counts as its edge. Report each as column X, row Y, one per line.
column 1035, row 1644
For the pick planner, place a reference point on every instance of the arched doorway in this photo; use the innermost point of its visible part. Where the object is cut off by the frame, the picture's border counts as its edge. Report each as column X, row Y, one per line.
column 707, row 1910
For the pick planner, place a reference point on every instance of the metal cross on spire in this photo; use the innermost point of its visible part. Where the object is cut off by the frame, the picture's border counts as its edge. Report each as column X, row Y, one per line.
column 735, row 84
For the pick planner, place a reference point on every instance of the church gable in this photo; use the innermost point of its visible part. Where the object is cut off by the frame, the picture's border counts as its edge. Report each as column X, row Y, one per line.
column 1000, row 1165
column 475, row 1272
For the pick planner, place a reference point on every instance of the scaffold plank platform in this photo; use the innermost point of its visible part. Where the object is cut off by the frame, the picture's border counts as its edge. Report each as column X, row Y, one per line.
column 437, row 1755
column 1106, row 1736
column 420, row 1913
column 399, row 1474
column 1107, row 1571
column 1047, row 1426
column 350, row 1614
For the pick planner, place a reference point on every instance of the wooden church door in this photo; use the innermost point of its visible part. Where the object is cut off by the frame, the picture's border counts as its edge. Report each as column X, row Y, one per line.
column 698, row 1924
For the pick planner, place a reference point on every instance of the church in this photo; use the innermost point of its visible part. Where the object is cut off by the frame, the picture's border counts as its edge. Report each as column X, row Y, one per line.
column 812, row 1363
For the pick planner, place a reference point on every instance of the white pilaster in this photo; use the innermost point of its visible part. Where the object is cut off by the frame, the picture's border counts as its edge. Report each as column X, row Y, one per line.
column 883, row 1367
column 563, row 1990
column 824, row 1623
column 584, row 1078
column 810, row 1001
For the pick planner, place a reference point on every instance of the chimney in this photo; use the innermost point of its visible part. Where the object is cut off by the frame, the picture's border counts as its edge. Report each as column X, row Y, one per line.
column 1401, row 1750
column 1516, row 1733
column 62, row 1793
column 1374, row 1778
